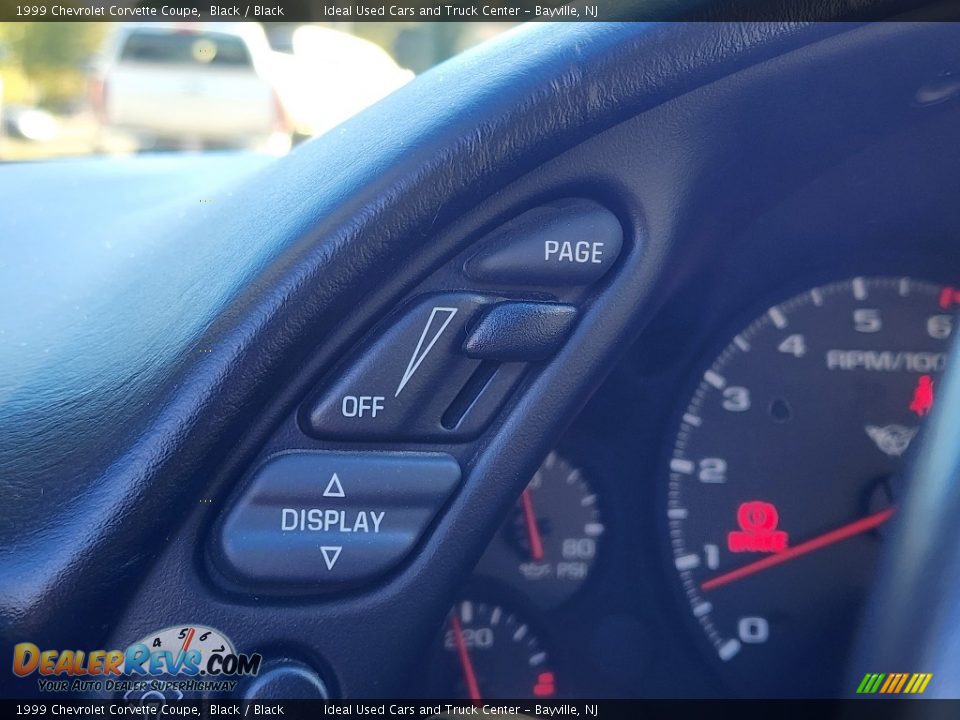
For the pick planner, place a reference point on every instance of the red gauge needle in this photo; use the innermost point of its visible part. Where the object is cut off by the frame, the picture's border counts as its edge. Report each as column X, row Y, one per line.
column 188, row 639
column 533, row 531
column 821, row 541
column 473, row 689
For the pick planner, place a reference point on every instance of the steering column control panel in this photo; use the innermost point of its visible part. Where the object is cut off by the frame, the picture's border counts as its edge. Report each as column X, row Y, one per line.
column 414, row 382
column 422, row 383
column 444, row 366
column 333, row 518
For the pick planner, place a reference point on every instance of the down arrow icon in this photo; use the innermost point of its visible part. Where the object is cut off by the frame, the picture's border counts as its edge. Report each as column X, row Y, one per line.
column 330, row 554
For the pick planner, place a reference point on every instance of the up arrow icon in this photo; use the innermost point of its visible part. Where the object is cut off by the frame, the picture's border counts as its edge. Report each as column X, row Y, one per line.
column 330, row 554
column 334, row 488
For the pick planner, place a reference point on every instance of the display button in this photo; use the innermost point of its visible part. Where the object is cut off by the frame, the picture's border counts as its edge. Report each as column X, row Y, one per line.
column 567, row 242
column 400, row 386
column 513, row 331
column 333, row 518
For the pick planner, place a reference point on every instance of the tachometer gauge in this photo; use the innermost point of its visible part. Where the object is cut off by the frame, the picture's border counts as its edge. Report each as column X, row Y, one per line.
column 548, row 543
column 487, row 651
column 786, row 468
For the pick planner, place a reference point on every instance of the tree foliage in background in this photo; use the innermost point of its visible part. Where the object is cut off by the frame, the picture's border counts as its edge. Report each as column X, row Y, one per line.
column 45, row 63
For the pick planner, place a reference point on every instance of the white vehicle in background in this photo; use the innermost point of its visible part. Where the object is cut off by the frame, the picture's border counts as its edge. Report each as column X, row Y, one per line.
column 188, row 86
column 331, row 76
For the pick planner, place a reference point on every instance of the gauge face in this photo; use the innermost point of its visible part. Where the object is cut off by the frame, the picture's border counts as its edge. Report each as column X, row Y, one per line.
column 548, row 543
column 179, row 639
column 486, row 651
column 785, row 471
column 183, row 638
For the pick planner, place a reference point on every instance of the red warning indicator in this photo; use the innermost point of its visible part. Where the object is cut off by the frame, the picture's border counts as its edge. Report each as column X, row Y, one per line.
column 758, row 529
column 922, row 400
column 949, row 297
column 546, row 685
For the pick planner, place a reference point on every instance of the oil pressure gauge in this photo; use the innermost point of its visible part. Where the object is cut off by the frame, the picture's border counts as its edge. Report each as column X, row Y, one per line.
column 548, row 544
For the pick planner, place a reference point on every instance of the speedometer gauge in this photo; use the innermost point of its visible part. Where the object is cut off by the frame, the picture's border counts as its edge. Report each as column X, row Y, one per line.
column 786, row 469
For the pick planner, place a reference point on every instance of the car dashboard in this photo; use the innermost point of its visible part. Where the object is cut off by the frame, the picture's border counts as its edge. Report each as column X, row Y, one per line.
column 674, row 480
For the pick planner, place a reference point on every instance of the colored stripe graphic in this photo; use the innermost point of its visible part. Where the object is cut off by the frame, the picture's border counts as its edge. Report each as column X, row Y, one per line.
column 920, row 684
column 894, row 683
column 892, row 680
column 870, row 683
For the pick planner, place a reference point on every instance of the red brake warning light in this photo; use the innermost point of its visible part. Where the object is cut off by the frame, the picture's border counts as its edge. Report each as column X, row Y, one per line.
column 758, row 529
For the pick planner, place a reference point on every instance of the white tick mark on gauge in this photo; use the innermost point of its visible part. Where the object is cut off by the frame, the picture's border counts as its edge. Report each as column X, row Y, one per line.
column 687, row 562
column 859, row 288
column 520, row 633
column 741, row 343
column 677, row 513
column 718, row 381
column 691, row 419
column 777, row 316
column 702, row 609
column 538, row 658
column 728, row 649
column 681, row 466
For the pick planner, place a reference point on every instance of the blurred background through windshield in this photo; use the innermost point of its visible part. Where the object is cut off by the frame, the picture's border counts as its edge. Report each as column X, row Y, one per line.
column 79, row 88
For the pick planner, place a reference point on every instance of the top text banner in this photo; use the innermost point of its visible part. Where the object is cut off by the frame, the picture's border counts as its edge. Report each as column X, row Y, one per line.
column 493, row 11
